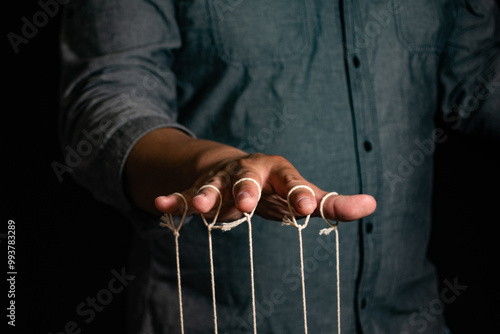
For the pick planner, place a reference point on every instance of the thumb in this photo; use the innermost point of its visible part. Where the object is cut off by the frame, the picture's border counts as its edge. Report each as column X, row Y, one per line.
column 347, row 207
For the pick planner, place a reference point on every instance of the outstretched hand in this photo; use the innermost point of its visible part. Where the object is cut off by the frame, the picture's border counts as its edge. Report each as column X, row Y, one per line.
column 276, row 177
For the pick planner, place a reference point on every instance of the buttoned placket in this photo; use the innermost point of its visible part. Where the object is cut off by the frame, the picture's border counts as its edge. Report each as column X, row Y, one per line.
column 363, row 111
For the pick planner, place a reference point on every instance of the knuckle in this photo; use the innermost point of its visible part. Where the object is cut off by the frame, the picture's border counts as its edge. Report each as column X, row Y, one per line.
column 291, row 179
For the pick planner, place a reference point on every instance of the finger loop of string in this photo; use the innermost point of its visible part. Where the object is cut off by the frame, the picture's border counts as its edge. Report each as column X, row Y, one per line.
column 168, row 221
column 333, row 226
column 246, row 216
column 292, row 221
column 212, row 225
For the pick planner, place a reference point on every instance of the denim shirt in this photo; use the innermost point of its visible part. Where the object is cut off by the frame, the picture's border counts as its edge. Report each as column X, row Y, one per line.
column 348, row 91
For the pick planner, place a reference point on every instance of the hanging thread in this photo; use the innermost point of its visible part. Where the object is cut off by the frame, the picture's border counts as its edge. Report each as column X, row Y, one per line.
column 326, row 231
column 210, row 227
column 230, row 225
column 248, row 217
column 168, row 221
column 293, row 222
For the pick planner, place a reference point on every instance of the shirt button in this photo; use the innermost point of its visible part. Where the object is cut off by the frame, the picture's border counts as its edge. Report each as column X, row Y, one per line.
column 367, row 145
column 356, row 62
column 363, row 303
column 369, row 227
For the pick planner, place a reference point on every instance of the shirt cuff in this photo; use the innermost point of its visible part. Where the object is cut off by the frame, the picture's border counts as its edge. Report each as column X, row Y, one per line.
column 106, row 182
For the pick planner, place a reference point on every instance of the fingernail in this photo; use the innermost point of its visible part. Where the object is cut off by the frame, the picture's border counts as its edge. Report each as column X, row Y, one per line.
column 304, row 202
column 243, row 196
column 200, row 196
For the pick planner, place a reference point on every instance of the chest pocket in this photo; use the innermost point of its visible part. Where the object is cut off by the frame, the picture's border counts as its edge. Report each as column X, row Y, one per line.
column 422, row 25
column 256, row 31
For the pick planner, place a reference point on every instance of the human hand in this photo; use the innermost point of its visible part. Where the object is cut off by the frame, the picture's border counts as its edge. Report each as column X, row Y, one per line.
column 276, row 177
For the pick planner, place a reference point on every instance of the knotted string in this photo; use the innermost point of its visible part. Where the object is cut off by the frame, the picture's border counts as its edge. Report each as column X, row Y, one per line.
column 293, row 222
column 228, row 226
column 326, row 231
column 246, row 216
column 210, row 227
column 168, row 221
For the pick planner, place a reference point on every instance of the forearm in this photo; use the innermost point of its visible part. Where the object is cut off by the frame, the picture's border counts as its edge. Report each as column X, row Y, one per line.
column 167, row 160
column 116, row 85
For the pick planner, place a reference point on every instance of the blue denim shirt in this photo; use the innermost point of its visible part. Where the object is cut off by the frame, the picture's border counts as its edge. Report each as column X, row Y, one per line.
column 348, row 91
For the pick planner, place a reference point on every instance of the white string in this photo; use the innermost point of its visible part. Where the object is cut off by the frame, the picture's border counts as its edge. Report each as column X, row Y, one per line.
column 168, row 221
column 326, row 231
column 227, row 227
column 210, row 227
column 230, row 225
column 250, row 246
column 293, row 222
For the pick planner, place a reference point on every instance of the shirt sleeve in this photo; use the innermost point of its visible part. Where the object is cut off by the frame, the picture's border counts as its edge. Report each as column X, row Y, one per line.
column 116, row 86
column 470, row 76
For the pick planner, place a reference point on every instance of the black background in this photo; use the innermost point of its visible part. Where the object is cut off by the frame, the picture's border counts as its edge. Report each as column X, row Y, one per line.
column 67, row 244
